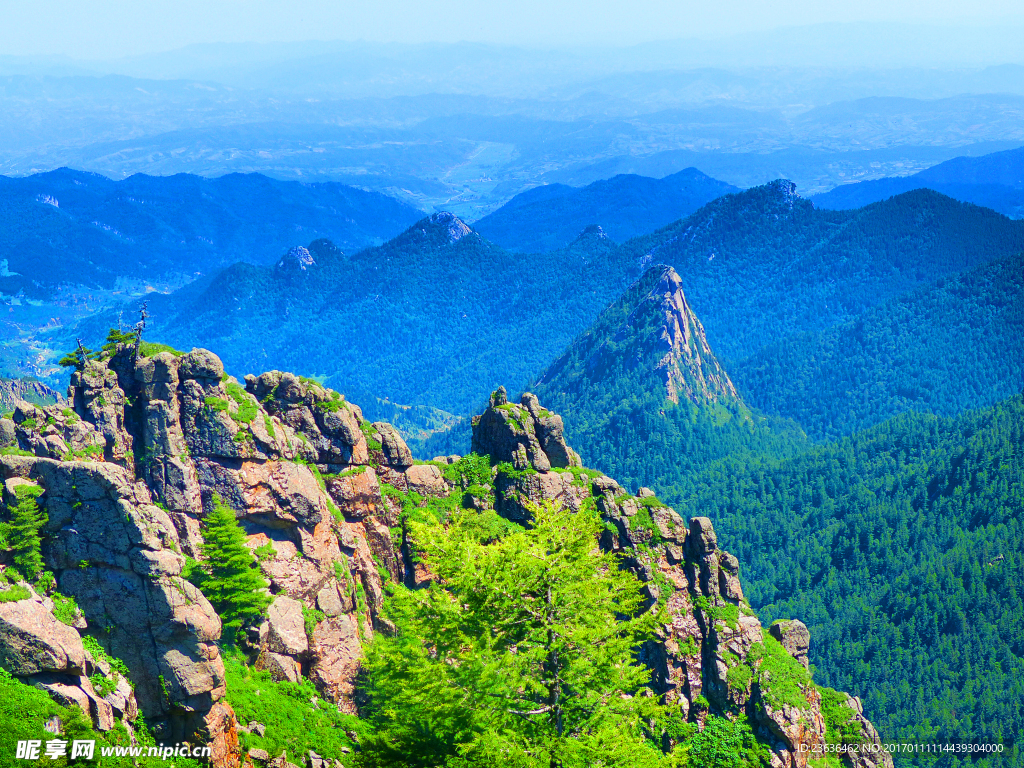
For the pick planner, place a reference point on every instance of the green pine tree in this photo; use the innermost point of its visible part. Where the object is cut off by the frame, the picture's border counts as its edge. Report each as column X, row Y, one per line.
column 23, row 531
column 519, row 654
column 229, row 576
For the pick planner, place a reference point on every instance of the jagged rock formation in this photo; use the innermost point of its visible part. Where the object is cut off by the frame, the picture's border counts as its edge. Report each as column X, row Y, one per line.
column 130, row 467
column 711, row 652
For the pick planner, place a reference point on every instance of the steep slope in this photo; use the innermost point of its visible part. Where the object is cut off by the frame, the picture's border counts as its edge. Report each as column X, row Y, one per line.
column 995, row 181
column 763, row 264
column 549, row 217
column 13, row 390
column 132, row 475
column 945, row 348
column 900, row 547
column 433, row 317
column 81, row 228
column 644, row 395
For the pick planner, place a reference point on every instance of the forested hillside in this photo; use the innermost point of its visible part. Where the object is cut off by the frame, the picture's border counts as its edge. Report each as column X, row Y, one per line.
column 624, row 206
column 900, row 547
column 612, row 385
column 945, row 348
column 439, row 314
column 995, row 181
column 435, row 316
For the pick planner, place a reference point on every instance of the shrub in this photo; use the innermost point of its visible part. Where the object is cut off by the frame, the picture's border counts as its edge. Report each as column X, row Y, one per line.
column 64, row 608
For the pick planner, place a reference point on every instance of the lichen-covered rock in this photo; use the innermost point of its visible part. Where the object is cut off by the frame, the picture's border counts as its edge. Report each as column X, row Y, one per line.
column 336, row 654
column 357, row 492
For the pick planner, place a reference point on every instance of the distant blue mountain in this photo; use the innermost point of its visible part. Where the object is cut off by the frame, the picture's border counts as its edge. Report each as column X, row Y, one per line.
column 72, row 227
column 550, row 217
column 995, row 181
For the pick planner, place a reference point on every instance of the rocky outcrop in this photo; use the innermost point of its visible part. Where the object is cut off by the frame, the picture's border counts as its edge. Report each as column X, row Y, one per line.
column 711, row 652
column 130, row 465
column 525, row 435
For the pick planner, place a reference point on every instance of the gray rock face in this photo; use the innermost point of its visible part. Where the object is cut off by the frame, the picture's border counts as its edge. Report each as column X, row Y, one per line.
column 396, row 452
column 117, row 554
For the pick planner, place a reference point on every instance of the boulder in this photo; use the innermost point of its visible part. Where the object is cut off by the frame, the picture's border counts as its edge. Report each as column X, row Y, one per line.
column 396, row 452
column 280, row 667
column 426, row 479
column 7, row 434
column 286, row 630
column 201, row 364
column 33, row 641
column 329, row 601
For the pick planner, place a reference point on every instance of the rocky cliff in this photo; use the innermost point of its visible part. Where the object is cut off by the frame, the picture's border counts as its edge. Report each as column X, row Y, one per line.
column 145, row 447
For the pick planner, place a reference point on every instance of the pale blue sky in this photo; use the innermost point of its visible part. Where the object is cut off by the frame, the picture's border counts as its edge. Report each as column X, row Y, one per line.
column 114, row 28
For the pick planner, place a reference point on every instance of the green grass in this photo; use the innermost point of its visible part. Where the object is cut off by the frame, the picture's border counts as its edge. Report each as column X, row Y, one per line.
column 372, row 443
column 25, row 709
column 247, row 407
column 153, row 348
column 64, row 608
column 782, row 677
column 14, row 450
column 293, row 722
column 840, row 726
column 216, row 403
column 14, row 593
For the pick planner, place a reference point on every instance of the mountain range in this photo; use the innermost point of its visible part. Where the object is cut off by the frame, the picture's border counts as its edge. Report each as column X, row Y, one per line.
column 69, row 227
column 994, row 181
column 549, row 217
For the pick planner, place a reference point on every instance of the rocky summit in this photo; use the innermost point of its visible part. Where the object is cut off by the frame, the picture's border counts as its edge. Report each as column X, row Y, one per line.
column 128, row 470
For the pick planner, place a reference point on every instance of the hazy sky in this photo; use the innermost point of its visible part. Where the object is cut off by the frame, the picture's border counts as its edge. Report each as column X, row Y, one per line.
column 114, row 28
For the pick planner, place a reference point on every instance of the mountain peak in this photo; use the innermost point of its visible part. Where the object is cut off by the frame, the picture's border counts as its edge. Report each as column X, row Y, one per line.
column 455, row 227
column 297, row 259
column 687, row 366
column 592, row 232
column 651, row 338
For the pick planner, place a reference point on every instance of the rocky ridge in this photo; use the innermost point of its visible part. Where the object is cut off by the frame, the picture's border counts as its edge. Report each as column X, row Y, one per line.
column 130, row 466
